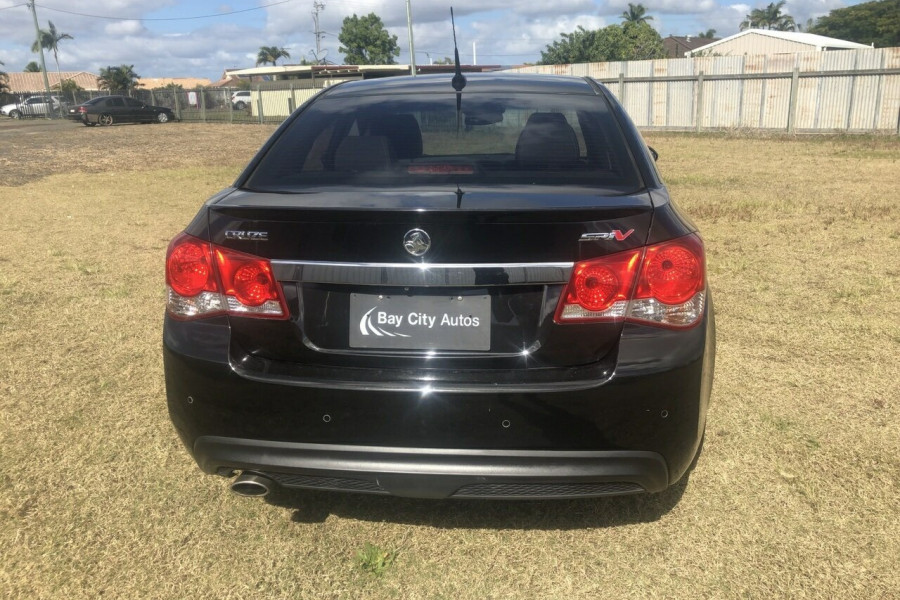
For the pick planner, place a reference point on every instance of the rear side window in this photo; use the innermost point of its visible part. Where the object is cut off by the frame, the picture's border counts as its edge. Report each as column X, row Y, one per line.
column 409, row 140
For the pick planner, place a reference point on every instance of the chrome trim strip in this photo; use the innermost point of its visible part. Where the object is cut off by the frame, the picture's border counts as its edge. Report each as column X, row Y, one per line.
column 422, row 274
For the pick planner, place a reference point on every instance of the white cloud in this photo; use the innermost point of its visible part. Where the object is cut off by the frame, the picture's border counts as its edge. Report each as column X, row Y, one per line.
column 123, row 28
column 677, row 7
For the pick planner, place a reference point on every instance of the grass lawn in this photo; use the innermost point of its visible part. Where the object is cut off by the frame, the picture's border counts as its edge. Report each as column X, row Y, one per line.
column 795, row 495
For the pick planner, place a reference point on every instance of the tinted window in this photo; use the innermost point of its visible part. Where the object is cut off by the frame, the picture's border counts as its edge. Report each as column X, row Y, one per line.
column 133, row 102
column 115, row 102
column 398, row 140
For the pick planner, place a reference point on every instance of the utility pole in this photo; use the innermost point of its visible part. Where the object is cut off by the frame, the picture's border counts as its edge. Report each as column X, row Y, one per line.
column 412, row 49
column 317, row 7
column 37, row 37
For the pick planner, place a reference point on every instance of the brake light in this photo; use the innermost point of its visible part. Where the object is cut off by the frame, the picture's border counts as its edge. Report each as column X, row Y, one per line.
column 204, row 279
column 599, row 289
column 189, row 268
column 669, row 289
column 82, row 109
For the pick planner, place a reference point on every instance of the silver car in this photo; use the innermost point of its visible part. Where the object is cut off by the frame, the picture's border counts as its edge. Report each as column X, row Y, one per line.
column 33, row 106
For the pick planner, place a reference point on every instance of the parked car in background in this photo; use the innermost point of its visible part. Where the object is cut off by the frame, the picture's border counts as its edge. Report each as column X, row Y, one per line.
column 240, row 100
column 435, row 290
column 33, row 106
column 107, row 110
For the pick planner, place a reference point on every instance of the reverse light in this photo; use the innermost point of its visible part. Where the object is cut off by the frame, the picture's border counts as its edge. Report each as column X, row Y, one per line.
column 204, row 279
column 663, row 284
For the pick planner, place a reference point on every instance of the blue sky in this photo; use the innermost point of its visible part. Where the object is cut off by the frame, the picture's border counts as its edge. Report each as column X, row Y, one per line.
column 502, row 31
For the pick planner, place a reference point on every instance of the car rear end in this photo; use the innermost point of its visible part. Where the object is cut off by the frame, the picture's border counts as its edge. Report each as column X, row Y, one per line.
column 416, row 292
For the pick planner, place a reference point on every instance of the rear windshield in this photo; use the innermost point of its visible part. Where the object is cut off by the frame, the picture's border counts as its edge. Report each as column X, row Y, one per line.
column 411, row 140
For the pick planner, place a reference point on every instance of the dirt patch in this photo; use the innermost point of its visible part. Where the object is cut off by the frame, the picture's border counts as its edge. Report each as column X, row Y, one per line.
column 35, row 148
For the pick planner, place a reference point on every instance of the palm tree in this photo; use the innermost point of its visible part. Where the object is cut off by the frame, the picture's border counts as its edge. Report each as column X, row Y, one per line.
column 3, row 78
column 707, row 35
column 118, row 79
column 32, row 67
column 49, row 40
column 755, row 20
column 769, row 17
column 270, row 54
column 636, row 13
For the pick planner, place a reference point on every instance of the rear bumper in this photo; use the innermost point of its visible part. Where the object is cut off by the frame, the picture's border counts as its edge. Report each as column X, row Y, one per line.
column 433, row 473
column 635, row 430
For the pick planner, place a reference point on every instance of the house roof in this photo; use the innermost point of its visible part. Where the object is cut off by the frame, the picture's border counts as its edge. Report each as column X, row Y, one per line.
column 34, row 82
column 819, row 42
column 677, row 45
column 339, row 70
column 149, row 83
column 689, row 42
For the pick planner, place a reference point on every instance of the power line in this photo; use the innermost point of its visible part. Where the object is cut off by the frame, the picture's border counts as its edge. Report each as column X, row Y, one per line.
column 212, row 16
column 14, row 6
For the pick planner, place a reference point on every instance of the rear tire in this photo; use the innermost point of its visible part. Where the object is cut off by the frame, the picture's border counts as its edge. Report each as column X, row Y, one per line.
column 14, row 114
column 105, row 120
column 240, row 105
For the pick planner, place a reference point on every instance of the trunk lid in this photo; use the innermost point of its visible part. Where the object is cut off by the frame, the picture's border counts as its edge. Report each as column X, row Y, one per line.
column 478, row 304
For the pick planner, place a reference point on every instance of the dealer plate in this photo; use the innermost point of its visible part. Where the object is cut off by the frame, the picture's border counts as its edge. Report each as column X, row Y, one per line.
column 420, row 322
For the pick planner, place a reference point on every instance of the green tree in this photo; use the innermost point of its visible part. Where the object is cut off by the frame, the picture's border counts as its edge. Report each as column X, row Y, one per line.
column 629, row 41
column 117, row 80
column 707, row 35
column 868, row 23
column 32, row 67
column 636, row 13
column 70, row 87
column 3, row 79
column 365, row 41
column 769, row 17
column 271, row 54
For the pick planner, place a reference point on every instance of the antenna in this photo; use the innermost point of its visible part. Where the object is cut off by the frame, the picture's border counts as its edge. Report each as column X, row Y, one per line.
column 459, row 80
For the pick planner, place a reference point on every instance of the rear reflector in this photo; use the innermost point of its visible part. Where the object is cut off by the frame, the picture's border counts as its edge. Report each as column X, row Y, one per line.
column 204, row 279
column 663, row 284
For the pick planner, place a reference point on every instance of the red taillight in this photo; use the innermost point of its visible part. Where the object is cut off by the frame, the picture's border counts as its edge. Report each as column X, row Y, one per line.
column 669, row 291
column 247, row 278
column 204, row 279
column 82, row 109
column 189, row 268
column 673, row 272
column 600, row 288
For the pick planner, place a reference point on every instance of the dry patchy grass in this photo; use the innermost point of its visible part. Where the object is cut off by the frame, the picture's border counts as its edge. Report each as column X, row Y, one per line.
column 795, row 495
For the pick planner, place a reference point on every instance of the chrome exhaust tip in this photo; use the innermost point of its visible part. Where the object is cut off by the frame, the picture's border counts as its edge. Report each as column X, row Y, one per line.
column 251, row 484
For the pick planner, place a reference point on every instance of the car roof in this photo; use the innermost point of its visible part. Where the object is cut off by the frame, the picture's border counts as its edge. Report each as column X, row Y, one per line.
column 475, row 83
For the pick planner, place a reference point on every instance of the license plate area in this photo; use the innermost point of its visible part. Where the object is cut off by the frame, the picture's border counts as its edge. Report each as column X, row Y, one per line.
column 420, row 322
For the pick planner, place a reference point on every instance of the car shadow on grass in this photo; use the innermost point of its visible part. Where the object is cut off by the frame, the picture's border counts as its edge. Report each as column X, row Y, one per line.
column 612, row 511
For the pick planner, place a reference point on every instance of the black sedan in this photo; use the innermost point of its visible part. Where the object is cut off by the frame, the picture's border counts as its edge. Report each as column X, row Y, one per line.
column 470, row 290
column 106, row 110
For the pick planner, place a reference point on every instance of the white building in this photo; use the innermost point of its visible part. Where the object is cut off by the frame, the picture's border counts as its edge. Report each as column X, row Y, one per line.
column 766, row 41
